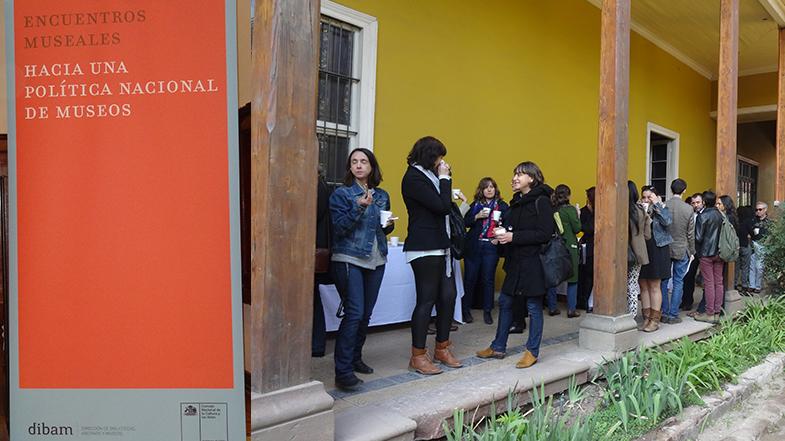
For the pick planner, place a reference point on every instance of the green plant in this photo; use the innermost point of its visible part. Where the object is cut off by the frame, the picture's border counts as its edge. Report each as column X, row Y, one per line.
column 774, row 258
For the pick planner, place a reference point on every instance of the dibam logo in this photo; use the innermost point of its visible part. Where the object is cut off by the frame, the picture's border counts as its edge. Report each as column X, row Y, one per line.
column 44, row 430
column 189, row 411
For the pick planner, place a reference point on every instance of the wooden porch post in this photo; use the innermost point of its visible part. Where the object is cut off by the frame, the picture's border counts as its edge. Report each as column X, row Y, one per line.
column 780, row 173
column 727, row 98
column 727, row 103
column 286, row 404
column 611, row 327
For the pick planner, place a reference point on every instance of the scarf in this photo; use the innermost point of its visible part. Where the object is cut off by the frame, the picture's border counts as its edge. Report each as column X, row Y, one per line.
column 435, row 181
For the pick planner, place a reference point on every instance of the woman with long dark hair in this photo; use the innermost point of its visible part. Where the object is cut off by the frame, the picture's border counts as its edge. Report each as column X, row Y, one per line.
column 658, row 250
column 639, row 231
column 569, row 226
column 480, row 255
column 427, row 193
column 526, row 228
column 359, row 256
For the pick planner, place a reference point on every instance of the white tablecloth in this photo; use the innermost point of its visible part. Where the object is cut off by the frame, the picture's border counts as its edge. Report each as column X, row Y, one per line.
column 397, row 296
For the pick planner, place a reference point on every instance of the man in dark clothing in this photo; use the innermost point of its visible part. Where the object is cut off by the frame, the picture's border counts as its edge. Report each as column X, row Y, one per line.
column 760, row 229
column 319, row 332
column 586, row 268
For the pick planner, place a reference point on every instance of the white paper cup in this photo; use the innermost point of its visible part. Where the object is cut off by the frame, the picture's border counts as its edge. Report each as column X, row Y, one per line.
column 499, row 231
column 455, row 192
column 497, row 215
column 394, row 240
column 384, row 216
column 756, row 231
column 486, row 210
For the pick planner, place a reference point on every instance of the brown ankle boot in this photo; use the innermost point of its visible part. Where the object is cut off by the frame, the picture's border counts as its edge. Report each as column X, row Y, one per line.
column 646, row 319
column 444, row 355
column 421, row 363
column 654, row 321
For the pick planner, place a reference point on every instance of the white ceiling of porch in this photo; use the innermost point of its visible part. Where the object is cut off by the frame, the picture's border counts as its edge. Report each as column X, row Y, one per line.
column 690, row 31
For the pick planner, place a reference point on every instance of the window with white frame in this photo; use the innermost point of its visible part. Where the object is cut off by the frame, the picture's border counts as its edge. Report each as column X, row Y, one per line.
column 347, row 83
column 662, row 158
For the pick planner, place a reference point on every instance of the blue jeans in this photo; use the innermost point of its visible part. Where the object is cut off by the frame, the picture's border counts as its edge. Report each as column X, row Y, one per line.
column 670, row 306
column 572, row 297
column 481, row 263
column 756, row 265
column 534, row 305
column 359, row 288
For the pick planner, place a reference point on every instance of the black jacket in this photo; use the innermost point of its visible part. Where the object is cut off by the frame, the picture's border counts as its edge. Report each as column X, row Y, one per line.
column 707, row 232
column 530, row 218
column 587, row 226
column 427, row 209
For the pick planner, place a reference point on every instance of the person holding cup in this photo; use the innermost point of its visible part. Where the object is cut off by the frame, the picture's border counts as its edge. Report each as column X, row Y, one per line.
column 527, row 226
column 359, row 257
column 427, row 193
column 480, row 255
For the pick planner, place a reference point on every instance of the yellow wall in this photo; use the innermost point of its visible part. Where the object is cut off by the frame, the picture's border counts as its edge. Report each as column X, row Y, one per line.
column 507, row 81
column 756, row 141
column 754, row 90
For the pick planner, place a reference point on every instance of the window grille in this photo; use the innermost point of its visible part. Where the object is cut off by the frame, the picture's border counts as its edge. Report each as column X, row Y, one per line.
column 747, row 184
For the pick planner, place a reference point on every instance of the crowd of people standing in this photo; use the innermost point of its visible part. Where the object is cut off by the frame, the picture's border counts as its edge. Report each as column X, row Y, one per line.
column 672, row 245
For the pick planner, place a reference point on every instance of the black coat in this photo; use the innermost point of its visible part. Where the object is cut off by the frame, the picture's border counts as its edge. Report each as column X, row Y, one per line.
column 530, row 218
column 707, row 232
column 427, row 209
column 587, row 226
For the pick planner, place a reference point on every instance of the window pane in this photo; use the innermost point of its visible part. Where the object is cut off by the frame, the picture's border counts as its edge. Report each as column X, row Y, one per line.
column 659, row 152
column 659, row 170
column 659, row 184
column 333, row 151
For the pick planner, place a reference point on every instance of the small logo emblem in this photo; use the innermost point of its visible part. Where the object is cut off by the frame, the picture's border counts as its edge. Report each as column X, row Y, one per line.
column 189, row 410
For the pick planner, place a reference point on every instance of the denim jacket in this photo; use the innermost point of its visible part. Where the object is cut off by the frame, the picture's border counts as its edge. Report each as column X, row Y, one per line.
column 661, row 219
column 355, row 227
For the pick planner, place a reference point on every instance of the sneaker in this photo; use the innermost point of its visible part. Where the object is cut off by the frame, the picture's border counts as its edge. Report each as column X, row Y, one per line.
column 674, row 320
column 517, row 328
column 703, row 317
column 553, row 312
column 351, row 383
column 573, row 314
column 666, row 320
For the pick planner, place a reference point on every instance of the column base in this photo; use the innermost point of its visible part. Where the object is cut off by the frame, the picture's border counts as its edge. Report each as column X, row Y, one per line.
column 606, row 333
column 302, row 412
column 733, row 302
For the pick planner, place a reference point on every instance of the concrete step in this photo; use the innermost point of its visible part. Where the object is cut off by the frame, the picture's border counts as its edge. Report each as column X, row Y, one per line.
column 371, row 423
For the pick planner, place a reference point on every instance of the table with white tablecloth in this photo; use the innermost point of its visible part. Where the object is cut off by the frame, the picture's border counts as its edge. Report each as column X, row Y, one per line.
column 397, row 296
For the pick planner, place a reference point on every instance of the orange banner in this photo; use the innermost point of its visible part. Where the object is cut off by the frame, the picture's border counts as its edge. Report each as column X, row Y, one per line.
column 124, row 271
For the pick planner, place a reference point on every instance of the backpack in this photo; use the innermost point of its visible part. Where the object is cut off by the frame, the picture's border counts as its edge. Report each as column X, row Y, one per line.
column 457, row 233
column 729, row 241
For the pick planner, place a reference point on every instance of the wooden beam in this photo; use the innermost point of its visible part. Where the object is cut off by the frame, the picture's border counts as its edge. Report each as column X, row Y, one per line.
column 728, row 79
column 610, row 261
column 780, row 173
column 283, row 190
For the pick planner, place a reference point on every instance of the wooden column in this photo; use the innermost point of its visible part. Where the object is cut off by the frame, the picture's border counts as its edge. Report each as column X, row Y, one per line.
column 727, row 98
column 610, row 256
column 780, row 173
column 283, row 190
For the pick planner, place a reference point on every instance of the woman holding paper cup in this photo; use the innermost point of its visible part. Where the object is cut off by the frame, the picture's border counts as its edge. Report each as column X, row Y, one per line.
column 361, row 217
column 481, row 256
column 427, row 193
column 527, row 226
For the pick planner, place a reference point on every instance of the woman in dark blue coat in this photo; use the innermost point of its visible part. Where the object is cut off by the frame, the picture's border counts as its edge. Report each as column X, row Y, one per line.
column 480, row 255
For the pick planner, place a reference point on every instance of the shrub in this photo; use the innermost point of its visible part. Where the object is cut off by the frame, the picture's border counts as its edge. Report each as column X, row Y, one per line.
column 774, row 259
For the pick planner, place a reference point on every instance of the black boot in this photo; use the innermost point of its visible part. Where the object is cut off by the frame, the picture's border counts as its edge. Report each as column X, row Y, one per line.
column 487, row 317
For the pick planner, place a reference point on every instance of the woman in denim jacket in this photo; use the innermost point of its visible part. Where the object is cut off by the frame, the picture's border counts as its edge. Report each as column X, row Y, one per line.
column 659, row 267
column 359, row 255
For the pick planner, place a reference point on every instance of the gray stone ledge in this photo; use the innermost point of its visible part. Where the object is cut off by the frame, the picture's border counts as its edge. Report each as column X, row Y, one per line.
column 688, row 424
column 280, row 406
